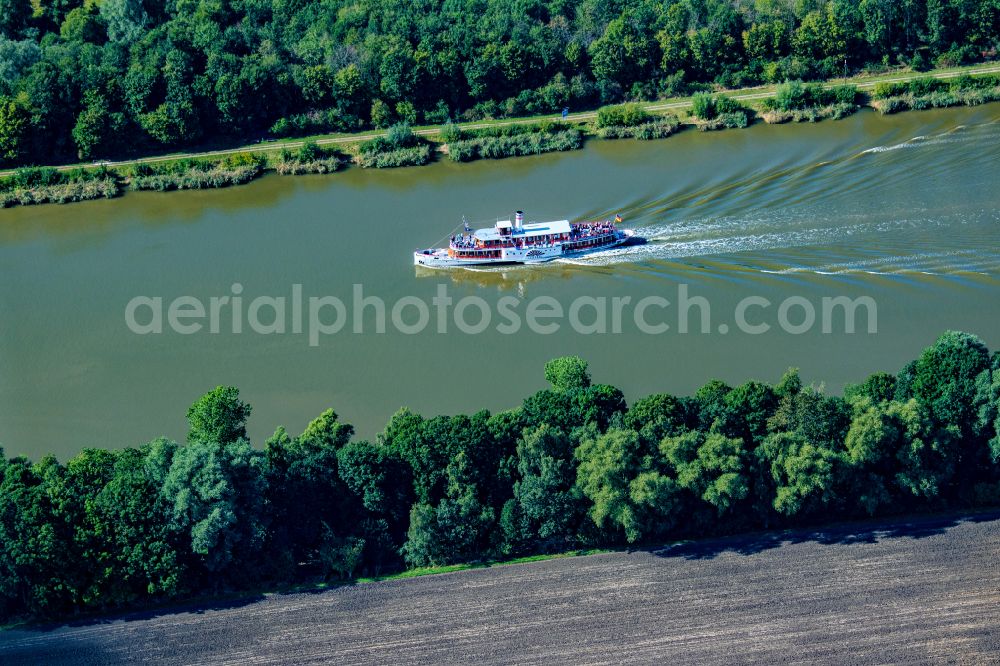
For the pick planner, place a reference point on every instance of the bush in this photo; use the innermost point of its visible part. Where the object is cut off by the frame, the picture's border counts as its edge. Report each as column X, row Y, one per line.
column 719, row 112
column 810, row 114
column 659, row 128
column 400, row 135
column 726, row 121
column 795, row 95
column 415, row 156
column 451, row 132
column 703, row 106
column 240, row 160
column 315, row 122
column 293, row 167
column 197, row 174
column 622, row 115
column 497, row 147
column 27, row 177
column 844, row 94
column 792, row 95
column 310, row 158
column 309, row 152
column 934, row 94
column 63, row 192
column 926, row 85
column 885, row 89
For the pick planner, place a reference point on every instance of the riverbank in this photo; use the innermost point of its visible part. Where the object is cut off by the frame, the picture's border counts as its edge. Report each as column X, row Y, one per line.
column 491, row 139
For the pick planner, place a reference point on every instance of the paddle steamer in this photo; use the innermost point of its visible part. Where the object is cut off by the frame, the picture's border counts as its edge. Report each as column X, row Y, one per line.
column 517, row 242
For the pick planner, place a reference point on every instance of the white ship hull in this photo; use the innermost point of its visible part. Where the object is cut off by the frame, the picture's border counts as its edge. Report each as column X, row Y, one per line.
column 442, row 258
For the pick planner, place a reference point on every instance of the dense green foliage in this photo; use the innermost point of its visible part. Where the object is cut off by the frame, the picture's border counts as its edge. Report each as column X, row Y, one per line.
column 188, row 174
column 510, row 141
column 27, row 186
column 309, row 158
column 928, row 93
column 797, row 101
column 622, row 115
column 719, row 112
column 102, row 78
column 573, row 466
column 398, row 147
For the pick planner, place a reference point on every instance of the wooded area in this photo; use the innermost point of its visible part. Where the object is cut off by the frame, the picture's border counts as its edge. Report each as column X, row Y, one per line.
column 108, row 78
column 572, row 467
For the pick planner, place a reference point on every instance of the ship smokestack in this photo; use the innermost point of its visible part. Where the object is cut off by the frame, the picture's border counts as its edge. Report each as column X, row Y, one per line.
column 519, row 220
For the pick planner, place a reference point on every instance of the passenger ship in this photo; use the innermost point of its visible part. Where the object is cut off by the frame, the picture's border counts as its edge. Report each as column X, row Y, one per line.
column 519, row 243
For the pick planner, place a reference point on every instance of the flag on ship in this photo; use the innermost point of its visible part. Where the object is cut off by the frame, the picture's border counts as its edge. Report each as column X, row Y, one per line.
column 618, row 218
column 466, row 224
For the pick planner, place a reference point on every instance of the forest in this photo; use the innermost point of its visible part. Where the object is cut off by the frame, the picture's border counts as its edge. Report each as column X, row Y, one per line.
column 99, row 79
column 572, row 467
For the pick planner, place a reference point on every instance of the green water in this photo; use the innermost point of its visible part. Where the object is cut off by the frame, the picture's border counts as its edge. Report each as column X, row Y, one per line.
column 903, row 209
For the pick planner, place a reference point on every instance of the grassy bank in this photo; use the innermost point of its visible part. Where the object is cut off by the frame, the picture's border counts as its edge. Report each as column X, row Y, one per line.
column 403, row 145
column 26, row 187
column 930, row 93
column 510, row 141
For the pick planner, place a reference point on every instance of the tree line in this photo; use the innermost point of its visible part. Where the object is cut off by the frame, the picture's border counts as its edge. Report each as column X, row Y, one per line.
column 104, row 78
column 573, row 466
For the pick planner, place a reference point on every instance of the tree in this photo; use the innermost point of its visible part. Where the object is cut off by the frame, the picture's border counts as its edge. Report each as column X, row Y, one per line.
column 711, row 466
column 381, row 114
column 656, row 416
column 304, row 471
column 545, row 494
column 880, row 387
column 945, row 376
column 15, row 122
column 126, row 19
column 218, row 417
column 97, row 128
column 381, row 479
column 457, row 529
column 627, row 493
column 625, row 53
column 215, row 497
column 317, row 85
column 805, row 476
column 567, row 373
column 83, row 24
column 35, row 546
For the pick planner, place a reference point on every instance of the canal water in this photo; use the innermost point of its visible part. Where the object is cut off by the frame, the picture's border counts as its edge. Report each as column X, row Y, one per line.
column 901, row 213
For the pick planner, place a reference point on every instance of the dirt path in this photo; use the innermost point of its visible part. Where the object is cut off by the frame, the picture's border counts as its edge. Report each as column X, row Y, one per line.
column 924, row 591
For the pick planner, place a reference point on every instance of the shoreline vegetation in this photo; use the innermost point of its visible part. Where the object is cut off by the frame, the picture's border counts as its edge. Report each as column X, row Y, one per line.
column 572, row 468
column 794, row 101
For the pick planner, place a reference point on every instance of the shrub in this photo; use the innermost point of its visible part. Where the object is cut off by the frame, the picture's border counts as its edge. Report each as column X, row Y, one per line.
column 310, row 158
column 309, row 152
column 240, row 160
column 293, row 167
column 846, row 94
column 887, row 89
column 415, row 156
column 719, row 112
column 925, row 85
column 197, row 174
column 655, row 129
column 451, row 132
column 28, row 177
column 810, row 114
column 791, row 95
column 703, row 106
column 400, row 135
column 63, row 192
column 622, row 115
column 497, row 147
column 726, row 121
